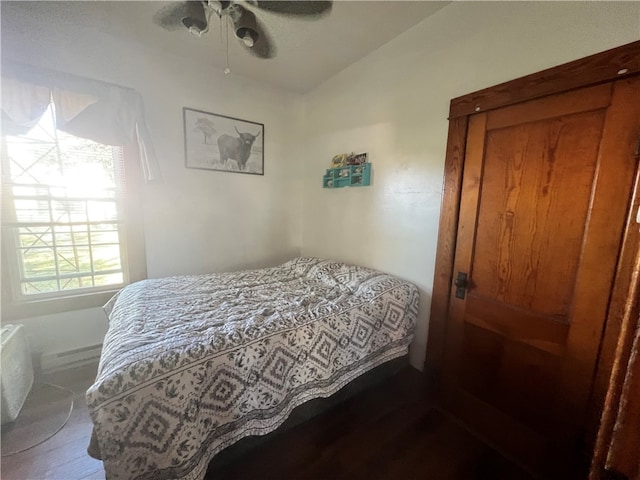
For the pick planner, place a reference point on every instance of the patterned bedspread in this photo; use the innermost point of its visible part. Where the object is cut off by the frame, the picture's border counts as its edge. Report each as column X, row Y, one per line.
column 192, row 364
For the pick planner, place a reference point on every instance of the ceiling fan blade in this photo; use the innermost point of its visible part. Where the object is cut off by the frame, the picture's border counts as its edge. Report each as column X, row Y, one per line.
column 264, row 46
column 170, row 16
column 295, row 8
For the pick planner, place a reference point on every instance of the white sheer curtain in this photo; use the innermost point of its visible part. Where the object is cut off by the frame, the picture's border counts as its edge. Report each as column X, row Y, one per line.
column 86, row 108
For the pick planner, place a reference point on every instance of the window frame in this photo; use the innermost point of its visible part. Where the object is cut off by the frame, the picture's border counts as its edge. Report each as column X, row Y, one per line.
column 15, row 305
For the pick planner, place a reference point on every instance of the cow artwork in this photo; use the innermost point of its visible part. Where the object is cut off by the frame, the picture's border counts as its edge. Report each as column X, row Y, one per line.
column 236, row 148
column 225, row 144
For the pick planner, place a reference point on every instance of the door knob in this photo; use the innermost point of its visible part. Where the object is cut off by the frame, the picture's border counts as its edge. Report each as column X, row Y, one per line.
column 461, row 282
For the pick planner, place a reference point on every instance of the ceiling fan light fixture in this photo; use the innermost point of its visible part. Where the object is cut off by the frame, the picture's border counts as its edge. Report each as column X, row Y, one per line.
column 215, row 5
column 249, row 37
column 246, row 28
column 196, row 19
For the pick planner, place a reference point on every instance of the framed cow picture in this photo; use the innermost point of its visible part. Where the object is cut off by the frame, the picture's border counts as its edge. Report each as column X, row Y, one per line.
column 221, row 143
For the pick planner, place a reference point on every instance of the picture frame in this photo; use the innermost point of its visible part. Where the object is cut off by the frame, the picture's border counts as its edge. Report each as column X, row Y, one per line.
column 222, row 143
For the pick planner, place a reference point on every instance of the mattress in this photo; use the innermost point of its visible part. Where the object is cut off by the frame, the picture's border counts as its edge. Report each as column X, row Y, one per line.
column 192, row 364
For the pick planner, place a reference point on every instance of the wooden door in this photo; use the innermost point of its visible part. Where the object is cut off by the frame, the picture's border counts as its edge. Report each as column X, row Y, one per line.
column 544, row 197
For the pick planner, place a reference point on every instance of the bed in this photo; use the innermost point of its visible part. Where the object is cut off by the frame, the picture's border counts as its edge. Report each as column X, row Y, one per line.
column 192, row 364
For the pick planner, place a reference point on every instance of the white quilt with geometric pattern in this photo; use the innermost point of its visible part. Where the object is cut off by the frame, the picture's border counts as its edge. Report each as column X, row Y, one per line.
column 192, row 364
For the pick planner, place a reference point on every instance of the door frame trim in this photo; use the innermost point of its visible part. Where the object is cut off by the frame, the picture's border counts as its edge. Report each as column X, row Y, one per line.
column 613, row 64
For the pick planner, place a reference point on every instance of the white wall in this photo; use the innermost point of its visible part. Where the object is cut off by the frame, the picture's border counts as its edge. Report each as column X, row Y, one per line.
column 394, row 103
column 195, row 221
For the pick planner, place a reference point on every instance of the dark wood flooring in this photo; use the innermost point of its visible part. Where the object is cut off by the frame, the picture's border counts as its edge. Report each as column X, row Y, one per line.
column 389, row 431
column 64, row 456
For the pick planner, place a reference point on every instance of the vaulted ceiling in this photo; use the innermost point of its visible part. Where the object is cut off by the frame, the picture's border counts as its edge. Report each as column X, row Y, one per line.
column 308, row 51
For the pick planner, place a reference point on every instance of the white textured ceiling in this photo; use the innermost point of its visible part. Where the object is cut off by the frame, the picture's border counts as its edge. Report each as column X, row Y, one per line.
column 308, row 52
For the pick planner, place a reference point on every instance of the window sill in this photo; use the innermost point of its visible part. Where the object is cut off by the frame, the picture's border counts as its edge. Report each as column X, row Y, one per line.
column 37, row 308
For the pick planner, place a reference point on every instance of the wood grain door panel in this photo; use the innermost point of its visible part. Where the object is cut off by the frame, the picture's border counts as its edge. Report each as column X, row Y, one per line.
column 508, row 375
column 544, row 197
column 520, row 325
column 530, row 223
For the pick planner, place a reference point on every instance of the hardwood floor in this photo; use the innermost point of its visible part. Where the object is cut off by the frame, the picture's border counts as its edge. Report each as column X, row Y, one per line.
column 64, row 456
column 388, row 431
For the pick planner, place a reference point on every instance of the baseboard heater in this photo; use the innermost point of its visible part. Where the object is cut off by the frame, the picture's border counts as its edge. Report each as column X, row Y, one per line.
column 70, row 358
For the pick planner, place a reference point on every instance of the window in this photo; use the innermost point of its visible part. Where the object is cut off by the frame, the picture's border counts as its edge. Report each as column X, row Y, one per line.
column 64, row 212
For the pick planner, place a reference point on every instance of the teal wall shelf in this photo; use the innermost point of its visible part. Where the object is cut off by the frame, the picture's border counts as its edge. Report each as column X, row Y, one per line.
column 348, row 176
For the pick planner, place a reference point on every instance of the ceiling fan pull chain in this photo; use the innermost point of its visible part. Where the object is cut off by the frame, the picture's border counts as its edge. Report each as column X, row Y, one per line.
column 221, row 27
column 227, row 70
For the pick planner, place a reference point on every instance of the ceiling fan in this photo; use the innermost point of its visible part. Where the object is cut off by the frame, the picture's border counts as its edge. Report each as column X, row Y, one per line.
column 195, row 16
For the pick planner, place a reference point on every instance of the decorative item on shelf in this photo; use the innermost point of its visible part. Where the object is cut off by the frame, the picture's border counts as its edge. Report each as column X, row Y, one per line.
column 343, row 159
column 357, row 159
column 339, row 160
column 358, row 175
